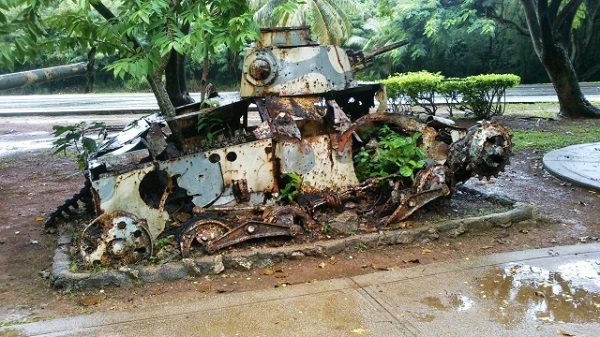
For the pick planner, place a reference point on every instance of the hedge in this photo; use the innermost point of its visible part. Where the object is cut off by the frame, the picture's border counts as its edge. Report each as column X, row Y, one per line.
column 484, row 95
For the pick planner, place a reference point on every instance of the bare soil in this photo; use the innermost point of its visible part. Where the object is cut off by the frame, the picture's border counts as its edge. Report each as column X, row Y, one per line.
column 33, row 184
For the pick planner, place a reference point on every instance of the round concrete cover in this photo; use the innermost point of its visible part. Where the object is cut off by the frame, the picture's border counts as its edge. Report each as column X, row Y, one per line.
column 579, row 164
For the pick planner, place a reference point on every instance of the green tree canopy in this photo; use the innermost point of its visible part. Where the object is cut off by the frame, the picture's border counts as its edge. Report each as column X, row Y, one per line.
column 328, row 18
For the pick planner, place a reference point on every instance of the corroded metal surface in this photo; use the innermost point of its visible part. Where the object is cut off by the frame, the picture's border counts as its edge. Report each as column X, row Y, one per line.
column 199, row 232
column 314, row 159
column 483, row 152
column 114, row 238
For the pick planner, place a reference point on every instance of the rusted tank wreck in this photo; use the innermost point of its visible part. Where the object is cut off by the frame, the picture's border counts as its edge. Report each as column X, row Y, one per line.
column 272, row 162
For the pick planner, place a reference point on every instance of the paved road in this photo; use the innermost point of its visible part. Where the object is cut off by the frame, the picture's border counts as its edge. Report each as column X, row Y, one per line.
column 76, row 104
column 146, row 103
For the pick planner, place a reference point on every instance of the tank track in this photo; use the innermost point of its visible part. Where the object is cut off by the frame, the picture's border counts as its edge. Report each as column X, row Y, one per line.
column 66, row 210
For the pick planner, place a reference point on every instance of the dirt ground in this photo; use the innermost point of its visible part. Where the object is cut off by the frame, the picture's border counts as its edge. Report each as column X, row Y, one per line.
column 33, row 184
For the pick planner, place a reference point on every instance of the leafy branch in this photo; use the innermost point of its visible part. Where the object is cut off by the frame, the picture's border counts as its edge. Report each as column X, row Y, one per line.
column 76, row 136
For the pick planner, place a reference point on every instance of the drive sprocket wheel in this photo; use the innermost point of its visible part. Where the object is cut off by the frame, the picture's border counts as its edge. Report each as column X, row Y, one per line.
column 197, row 232
column 115, row 238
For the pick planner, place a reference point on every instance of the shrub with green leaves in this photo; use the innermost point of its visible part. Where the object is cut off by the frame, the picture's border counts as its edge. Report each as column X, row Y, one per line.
column 416, row 88
column 451, row 89
column 484, row 94
column 392, row 154
column 76, row 136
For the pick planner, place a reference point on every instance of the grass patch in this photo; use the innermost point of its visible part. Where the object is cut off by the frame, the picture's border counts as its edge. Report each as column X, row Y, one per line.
column 541, row 110
column 560, row 134
column 554, row 139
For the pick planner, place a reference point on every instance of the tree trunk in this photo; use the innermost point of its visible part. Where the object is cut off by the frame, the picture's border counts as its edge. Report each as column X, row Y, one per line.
column 166, row 109
column 549, row 26
column 91, row 56
column 175, row 80
column 573, row 103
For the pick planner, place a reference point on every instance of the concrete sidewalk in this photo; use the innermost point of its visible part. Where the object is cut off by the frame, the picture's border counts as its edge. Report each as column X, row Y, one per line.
column 543, row 292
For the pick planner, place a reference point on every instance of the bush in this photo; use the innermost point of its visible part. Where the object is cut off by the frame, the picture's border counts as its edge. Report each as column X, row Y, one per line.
column 451, row 89
column 484, row 94
column 415, row 88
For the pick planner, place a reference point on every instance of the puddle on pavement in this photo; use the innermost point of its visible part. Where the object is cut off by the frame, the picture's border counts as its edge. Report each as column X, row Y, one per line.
column 451, row 302
column 19, row 142
column 519, row 292
column 456, row 302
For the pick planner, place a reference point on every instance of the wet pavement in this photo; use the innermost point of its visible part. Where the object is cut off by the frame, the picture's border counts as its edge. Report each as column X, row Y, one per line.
column 543, row 292
column 579, row 164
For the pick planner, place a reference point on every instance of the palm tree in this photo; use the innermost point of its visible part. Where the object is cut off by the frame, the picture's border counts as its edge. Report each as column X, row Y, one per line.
column 327, row 18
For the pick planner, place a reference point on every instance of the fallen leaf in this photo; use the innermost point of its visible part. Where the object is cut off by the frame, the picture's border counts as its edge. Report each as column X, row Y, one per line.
column 502, row 241
column 378, row 267
column 39, row 218
column 322, row 265
column 158, row 292
column 92, row 299
column 426, row 251
column 267, row 271
column 411, row 261
column 539, row 294
column 487, row 247
column 333, row 260
column 204, row 288
column 361, row 331
column 564, row 333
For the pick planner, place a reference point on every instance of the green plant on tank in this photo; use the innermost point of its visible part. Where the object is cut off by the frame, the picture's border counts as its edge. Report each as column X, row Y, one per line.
column 76, row 136
column 391, row 154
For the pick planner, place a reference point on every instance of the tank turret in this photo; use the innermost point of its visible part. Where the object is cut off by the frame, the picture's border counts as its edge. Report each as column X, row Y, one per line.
column 286, row 62
column 15, row 80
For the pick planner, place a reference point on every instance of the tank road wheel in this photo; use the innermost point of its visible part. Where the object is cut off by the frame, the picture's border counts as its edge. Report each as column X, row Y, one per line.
column 197, row 232
column 115, row 238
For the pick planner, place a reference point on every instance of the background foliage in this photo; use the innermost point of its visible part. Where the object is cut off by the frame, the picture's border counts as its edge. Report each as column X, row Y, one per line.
column 456, row 38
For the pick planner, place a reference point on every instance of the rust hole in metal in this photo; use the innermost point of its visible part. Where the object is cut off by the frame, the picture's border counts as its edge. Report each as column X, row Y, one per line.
column 122, row 225
column 137, row 233
column 231, row 156
column 152, row 186
column 214, row 158
column 157, row 189
column 140, row 250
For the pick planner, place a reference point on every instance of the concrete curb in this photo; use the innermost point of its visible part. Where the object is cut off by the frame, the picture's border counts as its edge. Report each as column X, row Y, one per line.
column 62, row 277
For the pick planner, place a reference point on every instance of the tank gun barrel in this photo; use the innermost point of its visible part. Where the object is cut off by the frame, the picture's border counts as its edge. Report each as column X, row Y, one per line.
column 15, row 80
column 361, row 60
